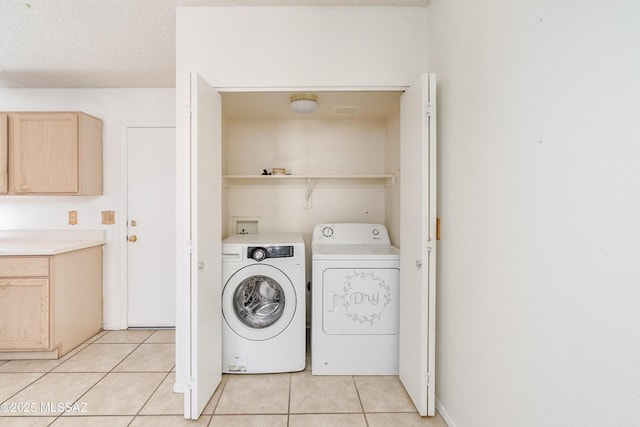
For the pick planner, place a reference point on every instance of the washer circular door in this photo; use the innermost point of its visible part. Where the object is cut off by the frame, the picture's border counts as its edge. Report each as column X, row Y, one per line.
column 258, row 302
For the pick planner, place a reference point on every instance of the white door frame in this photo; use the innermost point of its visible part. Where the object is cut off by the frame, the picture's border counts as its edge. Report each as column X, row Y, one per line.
column 186, row 319
column 121, row 217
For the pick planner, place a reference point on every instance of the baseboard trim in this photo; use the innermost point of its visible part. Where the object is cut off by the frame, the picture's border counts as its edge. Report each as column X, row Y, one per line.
column 444, row 414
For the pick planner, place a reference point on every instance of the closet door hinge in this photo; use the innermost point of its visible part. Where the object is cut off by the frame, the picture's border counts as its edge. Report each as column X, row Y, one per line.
column 428, row 109
column 189, row 247
column 429, row 379
column 430, row 245
column 190, row 110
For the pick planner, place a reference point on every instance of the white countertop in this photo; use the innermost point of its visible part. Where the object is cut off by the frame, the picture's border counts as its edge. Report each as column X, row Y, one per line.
column 44, row 247
column 47, row 242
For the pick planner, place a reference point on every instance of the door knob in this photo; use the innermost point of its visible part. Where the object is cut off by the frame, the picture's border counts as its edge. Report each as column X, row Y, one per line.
column 133, row 238
column 418, row 263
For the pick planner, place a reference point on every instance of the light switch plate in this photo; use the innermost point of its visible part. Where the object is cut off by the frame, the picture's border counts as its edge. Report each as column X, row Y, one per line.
column 108, row 217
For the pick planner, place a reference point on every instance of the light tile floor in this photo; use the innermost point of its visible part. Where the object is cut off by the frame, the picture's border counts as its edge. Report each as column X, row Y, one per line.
column 125, row 378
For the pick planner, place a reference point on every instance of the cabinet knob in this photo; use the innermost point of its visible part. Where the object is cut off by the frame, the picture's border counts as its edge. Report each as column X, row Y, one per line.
column 133, row 223
column 133, row 238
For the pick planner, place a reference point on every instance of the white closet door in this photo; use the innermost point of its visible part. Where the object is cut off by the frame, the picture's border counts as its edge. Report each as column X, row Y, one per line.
column 417, row 242
column 205, row 310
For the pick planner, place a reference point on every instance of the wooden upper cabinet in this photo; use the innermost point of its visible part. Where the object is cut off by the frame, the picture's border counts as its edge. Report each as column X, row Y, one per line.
column 3, row 153
column 54, row 153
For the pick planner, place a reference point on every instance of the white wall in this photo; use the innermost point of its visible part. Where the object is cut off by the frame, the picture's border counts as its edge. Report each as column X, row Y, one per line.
column 392, row 167
column 305, row 146
column 539, row 154
column 324, row 147
column 117, row 108
column 284, row 47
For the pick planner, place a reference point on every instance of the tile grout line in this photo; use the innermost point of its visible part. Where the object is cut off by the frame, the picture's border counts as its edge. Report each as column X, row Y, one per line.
column 154, row 390
column 105, row 373
column 289, row 405
column 159, row 384
column 90, row 341
column 82, row 394
column 364, row 415
column 50, row 371
column 128, row 354
column 149, row 398
column 215, row 407
column 42, row 374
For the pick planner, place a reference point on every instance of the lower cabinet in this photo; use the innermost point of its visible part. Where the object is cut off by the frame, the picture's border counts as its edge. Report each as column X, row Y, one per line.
column 49, row 304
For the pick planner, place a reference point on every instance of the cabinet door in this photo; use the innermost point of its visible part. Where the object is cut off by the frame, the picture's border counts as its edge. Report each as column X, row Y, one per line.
column 44, row 152
column 24, row 314
column 3, row 153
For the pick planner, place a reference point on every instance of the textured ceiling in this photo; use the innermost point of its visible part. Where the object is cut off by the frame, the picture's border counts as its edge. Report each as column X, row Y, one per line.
column 106, row 43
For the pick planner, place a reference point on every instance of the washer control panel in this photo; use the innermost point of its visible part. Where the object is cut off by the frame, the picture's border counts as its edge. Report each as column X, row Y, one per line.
column 259, row 253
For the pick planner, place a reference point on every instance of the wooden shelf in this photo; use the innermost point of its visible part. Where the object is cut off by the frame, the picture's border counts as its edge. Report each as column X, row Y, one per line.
column 309, row 181
column 346, row 179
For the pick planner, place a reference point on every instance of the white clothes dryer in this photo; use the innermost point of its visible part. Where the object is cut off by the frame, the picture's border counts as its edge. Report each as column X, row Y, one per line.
column 263, row 303
column 355, row 300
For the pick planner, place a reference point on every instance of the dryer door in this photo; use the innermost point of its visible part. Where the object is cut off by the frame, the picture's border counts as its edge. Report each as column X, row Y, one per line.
column 258, row 302
column 360, row 301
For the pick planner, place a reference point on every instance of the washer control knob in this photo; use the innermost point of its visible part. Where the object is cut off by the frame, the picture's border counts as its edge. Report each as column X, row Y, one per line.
column 375, row 231
column 259, row 254
column 327, row 232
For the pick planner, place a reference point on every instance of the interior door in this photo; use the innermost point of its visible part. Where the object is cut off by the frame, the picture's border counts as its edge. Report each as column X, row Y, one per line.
column 205, row 310
column 151, row 226
column 417, row 240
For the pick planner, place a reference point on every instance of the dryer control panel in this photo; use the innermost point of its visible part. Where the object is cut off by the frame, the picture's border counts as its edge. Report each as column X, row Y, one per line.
column 350, row 234
column 259, row 253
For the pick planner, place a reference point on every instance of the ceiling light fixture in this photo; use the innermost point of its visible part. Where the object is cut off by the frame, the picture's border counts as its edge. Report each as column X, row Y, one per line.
column 303, row 103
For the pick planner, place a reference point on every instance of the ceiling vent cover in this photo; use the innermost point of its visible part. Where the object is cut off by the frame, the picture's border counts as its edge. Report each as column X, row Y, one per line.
column 346, row 111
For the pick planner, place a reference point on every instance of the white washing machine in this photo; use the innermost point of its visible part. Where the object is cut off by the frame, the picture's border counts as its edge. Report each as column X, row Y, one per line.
column 355, row 300
column 263, row 303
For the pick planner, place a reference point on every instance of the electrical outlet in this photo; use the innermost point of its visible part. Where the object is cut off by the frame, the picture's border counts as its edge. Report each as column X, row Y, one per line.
column 73, row 217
